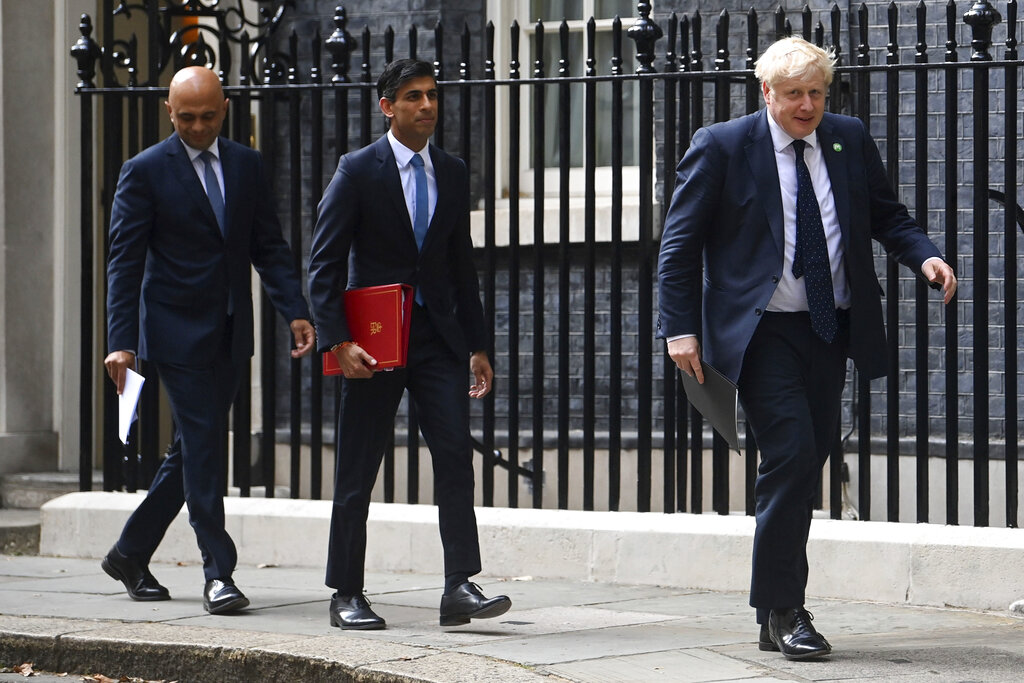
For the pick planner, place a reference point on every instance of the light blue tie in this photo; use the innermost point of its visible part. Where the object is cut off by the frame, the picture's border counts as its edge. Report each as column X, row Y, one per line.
column 421, row 214
column 213, row 189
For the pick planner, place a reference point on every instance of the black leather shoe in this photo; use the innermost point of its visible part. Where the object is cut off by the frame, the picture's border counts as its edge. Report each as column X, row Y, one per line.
column 764, row 641
column 221, row 596
column 136, row 578
column 353, row 613
column 792, row 633
column 466, row 602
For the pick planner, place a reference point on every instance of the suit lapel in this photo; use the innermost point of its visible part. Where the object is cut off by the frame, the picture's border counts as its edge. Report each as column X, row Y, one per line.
column 229, row 162
column 392, row 183
column 765, row 175
column 185, row 173
column 836, row 161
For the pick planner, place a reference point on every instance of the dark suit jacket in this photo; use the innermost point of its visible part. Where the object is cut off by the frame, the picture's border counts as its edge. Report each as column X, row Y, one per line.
column 727, row 206
column 364, row 237
column 170, row 269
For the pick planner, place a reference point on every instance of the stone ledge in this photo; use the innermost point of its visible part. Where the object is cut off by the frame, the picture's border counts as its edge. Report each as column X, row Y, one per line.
column 918, row 564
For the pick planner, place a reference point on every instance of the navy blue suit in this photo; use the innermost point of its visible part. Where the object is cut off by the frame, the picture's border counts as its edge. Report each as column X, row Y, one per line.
column 364, row 237
column 172, row 276
column 720, row 263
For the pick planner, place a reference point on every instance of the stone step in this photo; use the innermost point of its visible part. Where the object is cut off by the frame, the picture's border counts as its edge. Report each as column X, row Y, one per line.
column 29, row 490
column 19, row 532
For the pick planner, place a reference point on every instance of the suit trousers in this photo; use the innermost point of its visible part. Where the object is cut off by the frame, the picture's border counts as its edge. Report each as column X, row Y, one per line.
column 791, row 389
column 437, row 381
column 193, row 472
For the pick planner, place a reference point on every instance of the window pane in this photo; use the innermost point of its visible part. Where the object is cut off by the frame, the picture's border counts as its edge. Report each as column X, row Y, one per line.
column 556, row 10
column 552, row 93
column 606, row 9
column 605, row 101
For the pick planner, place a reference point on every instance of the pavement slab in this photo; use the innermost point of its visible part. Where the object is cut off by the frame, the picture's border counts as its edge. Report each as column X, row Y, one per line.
column 67, row 615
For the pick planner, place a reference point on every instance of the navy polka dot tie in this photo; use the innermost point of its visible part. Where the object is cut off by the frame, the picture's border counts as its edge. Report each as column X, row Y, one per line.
column 810, row 259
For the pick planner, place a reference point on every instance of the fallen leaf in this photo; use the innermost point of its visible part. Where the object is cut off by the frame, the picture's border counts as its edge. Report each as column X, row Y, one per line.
column 25, row 669
column 266, row 565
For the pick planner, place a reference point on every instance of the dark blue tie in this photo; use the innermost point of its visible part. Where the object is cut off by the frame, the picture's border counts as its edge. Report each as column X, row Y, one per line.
column 217, row 202
column 421, row 215
column 810, row 259
column 213, row 189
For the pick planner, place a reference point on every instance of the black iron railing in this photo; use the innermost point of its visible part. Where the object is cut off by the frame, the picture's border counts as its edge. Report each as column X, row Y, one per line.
column 585, row 397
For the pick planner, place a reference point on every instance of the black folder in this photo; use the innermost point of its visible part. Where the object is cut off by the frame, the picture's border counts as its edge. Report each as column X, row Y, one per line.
column 715, row 400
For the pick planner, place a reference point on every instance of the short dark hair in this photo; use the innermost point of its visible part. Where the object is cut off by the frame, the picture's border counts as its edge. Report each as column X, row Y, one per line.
column 398, row 72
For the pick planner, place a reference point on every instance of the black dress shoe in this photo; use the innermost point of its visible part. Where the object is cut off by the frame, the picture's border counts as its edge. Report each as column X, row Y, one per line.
column 466, row 602
column 353, row 613
column 136, row 578
column 764, row 641
column 792, row 633
column 221, row 596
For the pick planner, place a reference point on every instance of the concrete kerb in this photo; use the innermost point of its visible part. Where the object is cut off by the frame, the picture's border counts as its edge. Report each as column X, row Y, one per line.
column 916, row 564
column 170, row 652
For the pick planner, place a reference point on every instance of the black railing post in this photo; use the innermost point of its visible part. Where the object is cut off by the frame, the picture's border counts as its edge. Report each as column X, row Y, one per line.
column 892, row 298
column 719, row 448
column 316, row 174
column 644, row 32
column 669, row 374
column 615, row 281
column 863, row 389
column 981, row 18
column 1010, row 277
column 951, row 212
column 490, row 249
column 564, row 162
column 589, row 268
column 514, row 146
column 923, row 427
column 295, row 216
column 241, row 411
column 538, row 267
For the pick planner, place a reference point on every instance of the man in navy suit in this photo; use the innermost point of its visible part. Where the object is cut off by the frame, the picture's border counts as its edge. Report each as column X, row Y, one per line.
column 766, row 271
column 190, row 215
column 398, row 211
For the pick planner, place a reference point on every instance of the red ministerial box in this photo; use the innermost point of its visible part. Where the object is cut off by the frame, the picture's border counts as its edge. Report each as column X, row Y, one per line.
column 378, row 318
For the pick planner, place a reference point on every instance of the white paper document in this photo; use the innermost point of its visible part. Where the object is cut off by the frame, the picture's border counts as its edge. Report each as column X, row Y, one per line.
column 127, row 402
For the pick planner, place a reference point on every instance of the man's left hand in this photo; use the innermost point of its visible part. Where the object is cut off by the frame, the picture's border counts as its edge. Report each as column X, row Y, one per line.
column 480, row 366
column 940, row 272
column 304, row 336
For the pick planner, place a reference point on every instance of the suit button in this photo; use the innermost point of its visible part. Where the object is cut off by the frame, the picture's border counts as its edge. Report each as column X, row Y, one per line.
column 757, row 311
column 775, row 279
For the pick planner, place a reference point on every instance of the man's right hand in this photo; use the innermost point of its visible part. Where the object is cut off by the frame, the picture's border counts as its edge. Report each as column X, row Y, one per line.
column 686, row 354
column 117, row 364
column 355, row 362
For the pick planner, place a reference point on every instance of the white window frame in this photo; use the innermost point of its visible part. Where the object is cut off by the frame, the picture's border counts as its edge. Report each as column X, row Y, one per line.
column 502, row 13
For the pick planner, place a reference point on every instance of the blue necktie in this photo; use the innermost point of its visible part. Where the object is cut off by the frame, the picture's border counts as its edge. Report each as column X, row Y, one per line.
column 810, row 259
column 421, row 204
column 213, row 189
column 217, row 202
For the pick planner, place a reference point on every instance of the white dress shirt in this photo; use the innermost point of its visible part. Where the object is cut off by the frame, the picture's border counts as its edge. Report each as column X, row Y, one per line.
column 791, row 293
column 200, row 167
column 406, row 173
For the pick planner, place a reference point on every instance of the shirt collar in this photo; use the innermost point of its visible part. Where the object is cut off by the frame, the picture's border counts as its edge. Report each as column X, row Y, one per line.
column 403, row 155
column 781, row 139
column 213, row 149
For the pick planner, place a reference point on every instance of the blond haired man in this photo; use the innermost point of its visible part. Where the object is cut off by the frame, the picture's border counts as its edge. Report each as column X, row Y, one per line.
column 766, row 273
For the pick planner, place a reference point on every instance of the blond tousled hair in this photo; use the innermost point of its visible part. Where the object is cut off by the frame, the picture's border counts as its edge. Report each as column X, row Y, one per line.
column 794, row 58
